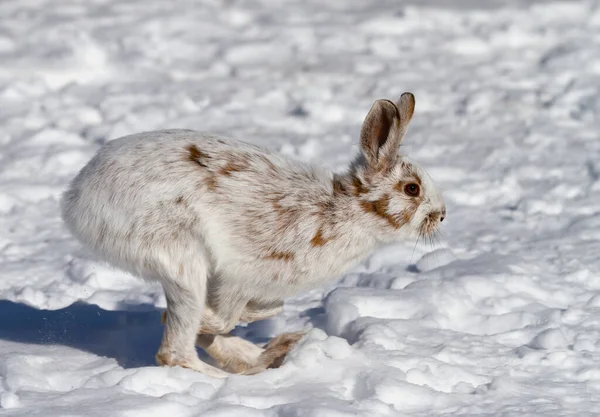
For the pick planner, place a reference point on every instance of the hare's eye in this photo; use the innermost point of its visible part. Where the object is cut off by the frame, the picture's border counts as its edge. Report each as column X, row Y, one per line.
column 412, row 189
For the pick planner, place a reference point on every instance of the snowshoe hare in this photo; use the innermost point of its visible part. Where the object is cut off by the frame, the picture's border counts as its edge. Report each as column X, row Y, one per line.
column 230, row 229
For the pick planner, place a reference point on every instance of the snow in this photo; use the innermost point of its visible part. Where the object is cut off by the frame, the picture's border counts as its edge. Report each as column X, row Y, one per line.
column 498, row 316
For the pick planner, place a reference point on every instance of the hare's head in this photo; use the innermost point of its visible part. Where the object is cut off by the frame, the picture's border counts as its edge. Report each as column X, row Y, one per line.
column 388, row 184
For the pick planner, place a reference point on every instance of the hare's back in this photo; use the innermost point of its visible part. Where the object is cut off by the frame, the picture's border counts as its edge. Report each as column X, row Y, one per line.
column 151, row 188
column 136, row 171
column 142, row 189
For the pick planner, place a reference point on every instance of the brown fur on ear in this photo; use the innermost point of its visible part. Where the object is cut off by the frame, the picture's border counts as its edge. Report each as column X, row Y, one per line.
column 384, row 128
column 378, row 128
column 406, row 108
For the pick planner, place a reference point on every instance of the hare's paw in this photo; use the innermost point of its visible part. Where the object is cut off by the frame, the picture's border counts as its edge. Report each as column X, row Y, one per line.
column 276, row 351
column 170, row 359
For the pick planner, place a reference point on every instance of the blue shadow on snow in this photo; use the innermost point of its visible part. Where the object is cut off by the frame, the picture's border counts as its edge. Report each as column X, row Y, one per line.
column 131, row 335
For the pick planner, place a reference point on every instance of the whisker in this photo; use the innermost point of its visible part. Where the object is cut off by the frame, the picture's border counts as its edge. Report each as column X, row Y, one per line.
column 440, row 236
column 415, row 247
column 434, row 245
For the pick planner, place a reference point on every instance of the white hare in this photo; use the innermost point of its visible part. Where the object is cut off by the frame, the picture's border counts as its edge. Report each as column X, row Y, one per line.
column 230, row 229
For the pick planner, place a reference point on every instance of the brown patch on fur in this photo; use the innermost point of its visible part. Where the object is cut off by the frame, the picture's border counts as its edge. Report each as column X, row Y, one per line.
column 234, row 165
column 229, row 168
column 339, row 187
column 283, row 256
column 286, row 214
column 179, row 200
column 379, row 208
column 197, row 156
column 325, row 206
column 400, row 186
column 276, row 205
column 359, row 187
column 275, row 200
column 318, row 239
column 210, row 182
column 407, row 215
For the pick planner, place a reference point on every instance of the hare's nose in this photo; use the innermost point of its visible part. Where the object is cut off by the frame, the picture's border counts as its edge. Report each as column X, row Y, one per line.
column 443, row 214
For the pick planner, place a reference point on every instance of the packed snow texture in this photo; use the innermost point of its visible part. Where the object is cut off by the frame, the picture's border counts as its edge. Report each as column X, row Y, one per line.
column 499, row 316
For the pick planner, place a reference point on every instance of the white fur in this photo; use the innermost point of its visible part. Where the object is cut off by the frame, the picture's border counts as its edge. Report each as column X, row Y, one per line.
column 233, row 232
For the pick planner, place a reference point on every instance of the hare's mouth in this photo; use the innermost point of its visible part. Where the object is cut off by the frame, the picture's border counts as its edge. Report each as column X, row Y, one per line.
column 430, row 223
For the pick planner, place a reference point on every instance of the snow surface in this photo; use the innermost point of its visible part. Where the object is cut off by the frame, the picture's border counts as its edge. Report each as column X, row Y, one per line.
column 500, row 317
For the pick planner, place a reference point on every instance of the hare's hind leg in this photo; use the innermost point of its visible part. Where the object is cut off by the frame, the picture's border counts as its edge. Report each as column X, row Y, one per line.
column 186, row 296
column 275, row 352
column 232, row 353
column 237, row 355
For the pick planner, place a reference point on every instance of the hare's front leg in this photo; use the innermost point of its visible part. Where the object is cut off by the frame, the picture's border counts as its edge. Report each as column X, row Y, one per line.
column 185, row 301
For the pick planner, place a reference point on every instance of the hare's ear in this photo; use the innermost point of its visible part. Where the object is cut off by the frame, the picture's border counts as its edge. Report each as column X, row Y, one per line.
column 384, row 128
column 406, row 108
